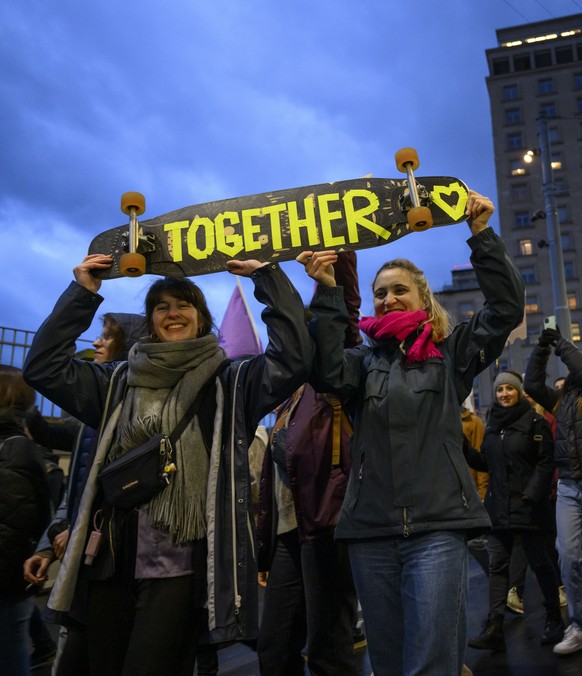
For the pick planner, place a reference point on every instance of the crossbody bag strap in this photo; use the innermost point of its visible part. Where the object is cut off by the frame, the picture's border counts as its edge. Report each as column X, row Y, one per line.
column 192, row 409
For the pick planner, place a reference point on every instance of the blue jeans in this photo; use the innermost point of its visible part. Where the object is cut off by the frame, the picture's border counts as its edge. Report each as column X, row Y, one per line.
column 569, row 544
column 413, row 593
column 14, row 649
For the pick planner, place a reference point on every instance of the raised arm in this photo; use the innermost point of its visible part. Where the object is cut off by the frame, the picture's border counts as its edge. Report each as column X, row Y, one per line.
column 77, row 386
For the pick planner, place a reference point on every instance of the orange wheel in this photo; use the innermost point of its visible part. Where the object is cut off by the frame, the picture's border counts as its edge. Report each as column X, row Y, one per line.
column 132, row 265
column 406, row 156
column 133, row 200
column 419, row 219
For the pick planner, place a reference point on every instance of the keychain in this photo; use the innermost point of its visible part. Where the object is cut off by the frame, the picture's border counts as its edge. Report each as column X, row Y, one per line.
column 94, row 542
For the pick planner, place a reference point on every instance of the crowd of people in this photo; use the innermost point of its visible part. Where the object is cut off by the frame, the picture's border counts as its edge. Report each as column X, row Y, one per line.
column 375, row 484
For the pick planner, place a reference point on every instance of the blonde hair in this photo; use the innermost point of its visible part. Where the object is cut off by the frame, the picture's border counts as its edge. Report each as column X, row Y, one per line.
column 438, row 317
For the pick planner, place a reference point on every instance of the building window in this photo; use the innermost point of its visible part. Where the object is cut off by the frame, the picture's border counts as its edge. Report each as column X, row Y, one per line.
column 531, row 304
column 556, row 161
column 572, row 301
column 579, row 104
column 564, row 55
column 521, row 219
column 532, row 336
column 514, row 141
column 521, row 62
column 577, row 80
column 516, row 168
column 525, row 247
column 560, row 186
column 513, row 116
column 542, row 59
column 548, row 109
column 528, row 275
column 520, row 193
column 511, row 92
column 466, row 311
column 503, row 364
column 564, row 214
column 546, row 86
column 501, row 66
column 554, row 135
column 567, row 241
column 569, row 271
column 576, row 332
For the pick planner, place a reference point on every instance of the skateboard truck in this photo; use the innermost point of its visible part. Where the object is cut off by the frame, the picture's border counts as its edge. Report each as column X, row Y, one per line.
column 132, row 263
column 419, row 217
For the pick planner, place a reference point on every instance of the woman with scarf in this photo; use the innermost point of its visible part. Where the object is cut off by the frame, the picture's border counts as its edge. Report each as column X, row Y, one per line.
column 411, row 503
column 191, row 546
column 517, row 451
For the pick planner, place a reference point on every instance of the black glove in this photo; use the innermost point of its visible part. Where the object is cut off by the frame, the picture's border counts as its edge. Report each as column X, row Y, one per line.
column 548, row 337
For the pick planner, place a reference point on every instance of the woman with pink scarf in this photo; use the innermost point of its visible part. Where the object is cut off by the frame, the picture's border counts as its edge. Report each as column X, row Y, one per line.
column 411, row 504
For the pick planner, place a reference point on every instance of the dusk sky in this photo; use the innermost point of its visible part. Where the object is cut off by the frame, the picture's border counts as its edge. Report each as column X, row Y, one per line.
column 191, row 101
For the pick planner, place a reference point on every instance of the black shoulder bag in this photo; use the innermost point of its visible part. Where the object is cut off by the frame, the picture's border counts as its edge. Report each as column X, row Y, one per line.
column 138, row 475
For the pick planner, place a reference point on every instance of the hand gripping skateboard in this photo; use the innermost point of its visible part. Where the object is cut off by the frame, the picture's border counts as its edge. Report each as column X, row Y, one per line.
column 352, row 214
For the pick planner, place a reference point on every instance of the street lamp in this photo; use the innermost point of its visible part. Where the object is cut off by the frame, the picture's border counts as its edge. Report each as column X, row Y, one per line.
column 560, row 296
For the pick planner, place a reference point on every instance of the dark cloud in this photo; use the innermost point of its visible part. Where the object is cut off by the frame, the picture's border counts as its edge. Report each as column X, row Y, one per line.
column 191, row 102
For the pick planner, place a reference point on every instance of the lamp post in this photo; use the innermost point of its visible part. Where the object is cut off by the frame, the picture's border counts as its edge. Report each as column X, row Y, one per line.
column 561, row 308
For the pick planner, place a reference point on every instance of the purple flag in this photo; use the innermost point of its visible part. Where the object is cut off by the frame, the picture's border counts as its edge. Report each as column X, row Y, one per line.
column 238, row 335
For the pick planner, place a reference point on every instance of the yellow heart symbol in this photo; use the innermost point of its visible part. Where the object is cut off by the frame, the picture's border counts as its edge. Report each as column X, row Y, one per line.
column 456, row 211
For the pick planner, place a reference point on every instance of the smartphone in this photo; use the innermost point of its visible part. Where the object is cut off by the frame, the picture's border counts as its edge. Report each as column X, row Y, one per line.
column 550, row 322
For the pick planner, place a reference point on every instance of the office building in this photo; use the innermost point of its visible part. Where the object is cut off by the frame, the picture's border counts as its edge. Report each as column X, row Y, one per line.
column 535, row 69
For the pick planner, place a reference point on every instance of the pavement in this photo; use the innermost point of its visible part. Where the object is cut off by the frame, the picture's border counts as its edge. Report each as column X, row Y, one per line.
column 524, row 657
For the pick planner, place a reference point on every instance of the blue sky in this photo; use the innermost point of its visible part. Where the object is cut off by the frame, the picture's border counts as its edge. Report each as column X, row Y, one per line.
column 191, row 101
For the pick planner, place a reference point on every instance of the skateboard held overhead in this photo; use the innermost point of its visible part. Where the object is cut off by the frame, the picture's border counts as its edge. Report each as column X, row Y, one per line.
column 278, row 225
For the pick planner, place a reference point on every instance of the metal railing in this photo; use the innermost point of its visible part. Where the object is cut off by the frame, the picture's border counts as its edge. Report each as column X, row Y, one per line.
column 14, row 346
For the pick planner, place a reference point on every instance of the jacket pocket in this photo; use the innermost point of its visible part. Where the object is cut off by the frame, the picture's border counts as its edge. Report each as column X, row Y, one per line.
column 426, row 376
column 377, row 382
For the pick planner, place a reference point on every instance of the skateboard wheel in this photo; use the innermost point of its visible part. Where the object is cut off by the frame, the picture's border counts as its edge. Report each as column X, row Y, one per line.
column 419, row 219
column 133, row 200
column 406, row 156
column 132, row 265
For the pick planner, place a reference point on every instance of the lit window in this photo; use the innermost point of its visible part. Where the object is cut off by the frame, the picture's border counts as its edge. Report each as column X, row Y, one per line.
column 525, row 247
column 516, row 168
column 572, row 302
column 531, row 304
column 576, row 332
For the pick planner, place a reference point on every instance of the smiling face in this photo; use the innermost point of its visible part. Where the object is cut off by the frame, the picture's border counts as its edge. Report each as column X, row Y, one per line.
column 174, row 319
column 506, row 395
column 395, row 289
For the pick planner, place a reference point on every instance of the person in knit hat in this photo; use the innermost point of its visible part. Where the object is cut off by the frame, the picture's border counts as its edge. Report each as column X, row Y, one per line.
column 517, row 451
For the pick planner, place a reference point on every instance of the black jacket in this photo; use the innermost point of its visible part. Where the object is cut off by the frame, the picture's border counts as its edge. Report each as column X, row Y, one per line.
column 251, row 389
column 520, row 463
column 25, row 509
column 566, row 404
column 408, row 473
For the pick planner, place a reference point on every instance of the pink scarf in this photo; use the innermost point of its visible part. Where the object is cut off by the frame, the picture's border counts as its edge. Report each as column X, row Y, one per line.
column 399, row 325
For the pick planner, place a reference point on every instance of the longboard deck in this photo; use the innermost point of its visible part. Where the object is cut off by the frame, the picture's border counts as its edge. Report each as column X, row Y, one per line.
column 352, row 214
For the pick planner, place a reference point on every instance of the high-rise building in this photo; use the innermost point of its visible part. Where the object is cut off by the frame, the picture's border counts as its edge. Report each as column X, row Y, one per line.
column 536, row 69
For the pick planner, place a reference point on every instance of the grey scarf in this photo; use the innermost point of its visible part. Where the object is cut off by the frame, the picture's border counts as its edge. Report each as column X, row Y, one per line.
column 163, row 379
